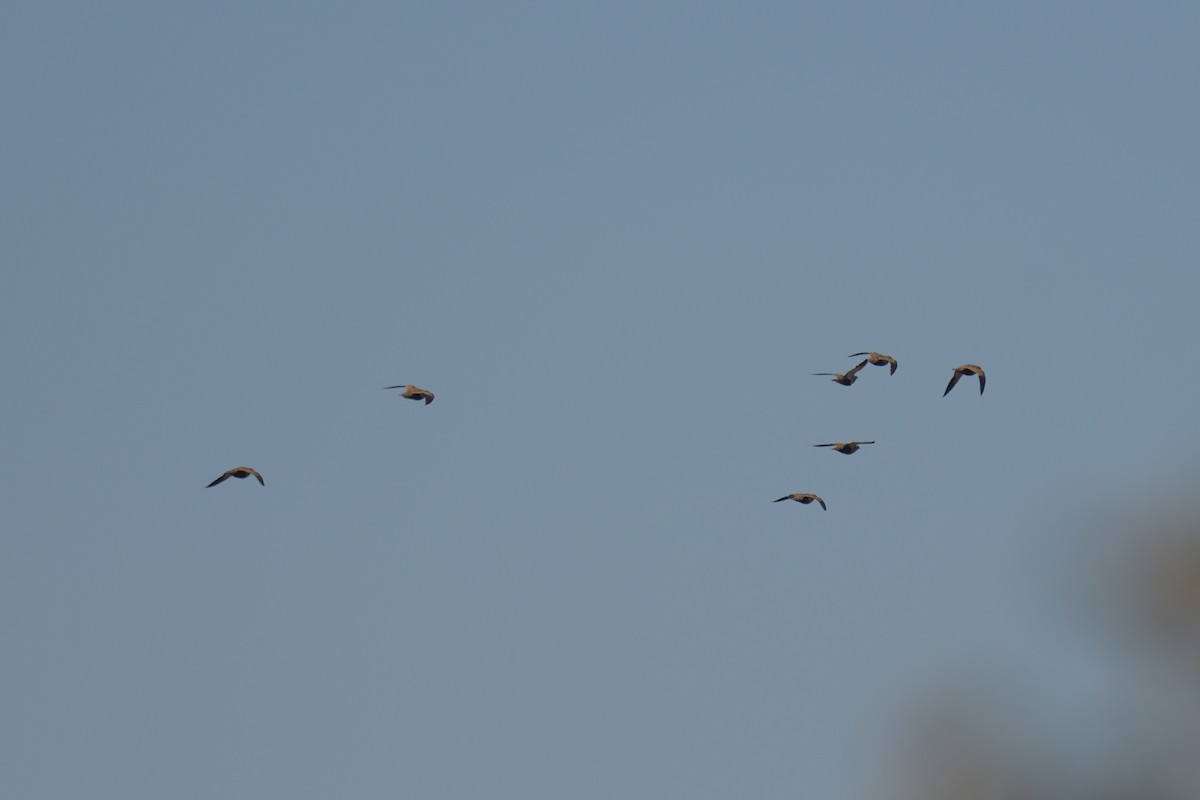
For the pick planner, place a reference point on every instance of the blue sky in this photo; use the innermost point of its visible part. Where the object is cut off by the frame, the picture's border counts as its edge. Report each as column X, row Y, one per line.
column 615, row 241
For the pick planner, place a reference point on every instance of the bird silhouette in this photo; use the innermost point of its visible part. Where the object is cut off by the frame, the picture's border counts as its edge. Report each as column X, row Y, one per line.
column 844, row 447
column 878, row 360
column 413, row 393
column 238, row 472
column 847, row 378
column 965, row 369
column 802, row 497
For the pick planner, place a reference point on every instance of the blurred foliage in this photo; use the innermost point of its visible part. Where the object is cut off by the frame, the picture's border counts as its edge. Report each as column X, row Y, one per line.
column 975, row 737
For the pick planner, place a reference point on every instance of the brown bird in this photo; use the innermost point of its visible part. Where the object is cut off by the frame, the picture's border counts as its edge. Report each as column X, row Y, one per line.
column 238, row 472
column 878, row 360
column 844, row 447
column 413, row 393
column 965, row 369
column 847, row 378
column 802, row 497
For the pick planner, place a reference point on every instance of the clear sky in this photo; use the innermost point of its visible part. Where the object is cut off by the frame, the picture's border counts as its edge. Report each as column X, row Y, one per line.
column 615, row 239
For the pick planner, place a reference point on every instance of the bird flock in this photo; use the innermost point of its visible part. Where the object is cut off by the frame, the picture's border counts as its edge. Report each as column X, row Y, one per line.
column 847, row 379
column 804, row 498
column 410, row 391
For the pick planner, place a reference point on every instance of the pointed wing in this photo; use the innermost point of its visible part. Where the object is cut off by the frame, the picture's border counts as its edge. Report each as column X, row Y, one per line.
column 428, row 398
column 852, row 355
column 953, row 380
column 894, row 365
column 393, row 387
column 831, row 444
column 785, row 497
column 982, row 380
column 822, row 502
column 261, row 482
column 822, row 373
column 857, row 367
column 218, row 480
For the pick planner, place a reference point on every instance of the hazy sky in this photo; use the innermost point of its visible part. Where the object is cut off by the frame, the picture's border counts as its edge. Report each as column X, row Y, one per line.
column 615, row 239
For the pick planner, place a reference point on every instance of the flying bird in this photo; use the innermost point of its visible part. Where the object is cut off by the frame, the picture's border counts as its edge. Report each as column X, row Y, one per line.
column 844, row 447
column 803, row 498
column 238, row 472
column 965, row 369
column 413, row 393
column 878, row 360
column 845, row 379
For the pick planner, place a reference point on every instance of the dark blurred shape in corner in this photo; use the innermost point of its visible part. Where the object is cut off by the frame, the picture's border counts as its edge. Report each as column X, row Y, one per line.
column 1113, row 713
column 1164, row 592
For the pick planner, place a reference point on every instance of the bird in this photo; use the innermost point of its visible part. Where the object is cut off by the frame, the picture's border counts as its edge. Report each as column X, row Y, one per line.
column 965, row 369
column 413, row 393
column 878, row 360
column 844, row 447
column 804, row 498
column 238, row 472
column 848, row 378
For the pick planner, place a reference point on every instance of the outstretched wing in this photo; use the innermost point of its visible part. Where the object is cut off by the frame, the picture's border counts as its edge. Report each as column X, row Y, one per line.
column 261, row 482
column 982, row 380
column 822, row 502
column 785, row 497
column 857, row 367
column 894, row 365
column 953, row 380
column 218, row 480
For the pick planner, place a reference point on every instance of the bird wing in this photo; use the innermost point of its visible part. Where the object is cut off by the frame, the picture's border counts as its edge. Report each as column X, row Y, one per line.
column 785, row 497
column 852, row 355
column 428, row 398
column 892, row 361
column 831, row 444
column 822, row 373
column 393, row 387
column 982, row 380
column 953, row 380
column 218, row 480
column 857, row 367
column 261, row 482
column 822, row 502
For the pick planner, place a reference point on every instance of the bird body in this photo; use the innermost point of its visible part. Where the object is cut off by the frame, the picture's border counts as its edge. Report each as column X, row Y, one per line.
column 966, row 369
column 413, row 393
column 238, row 472
column 847, row 378
column 844, row 447
column 878, row 360
column 804, row 498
